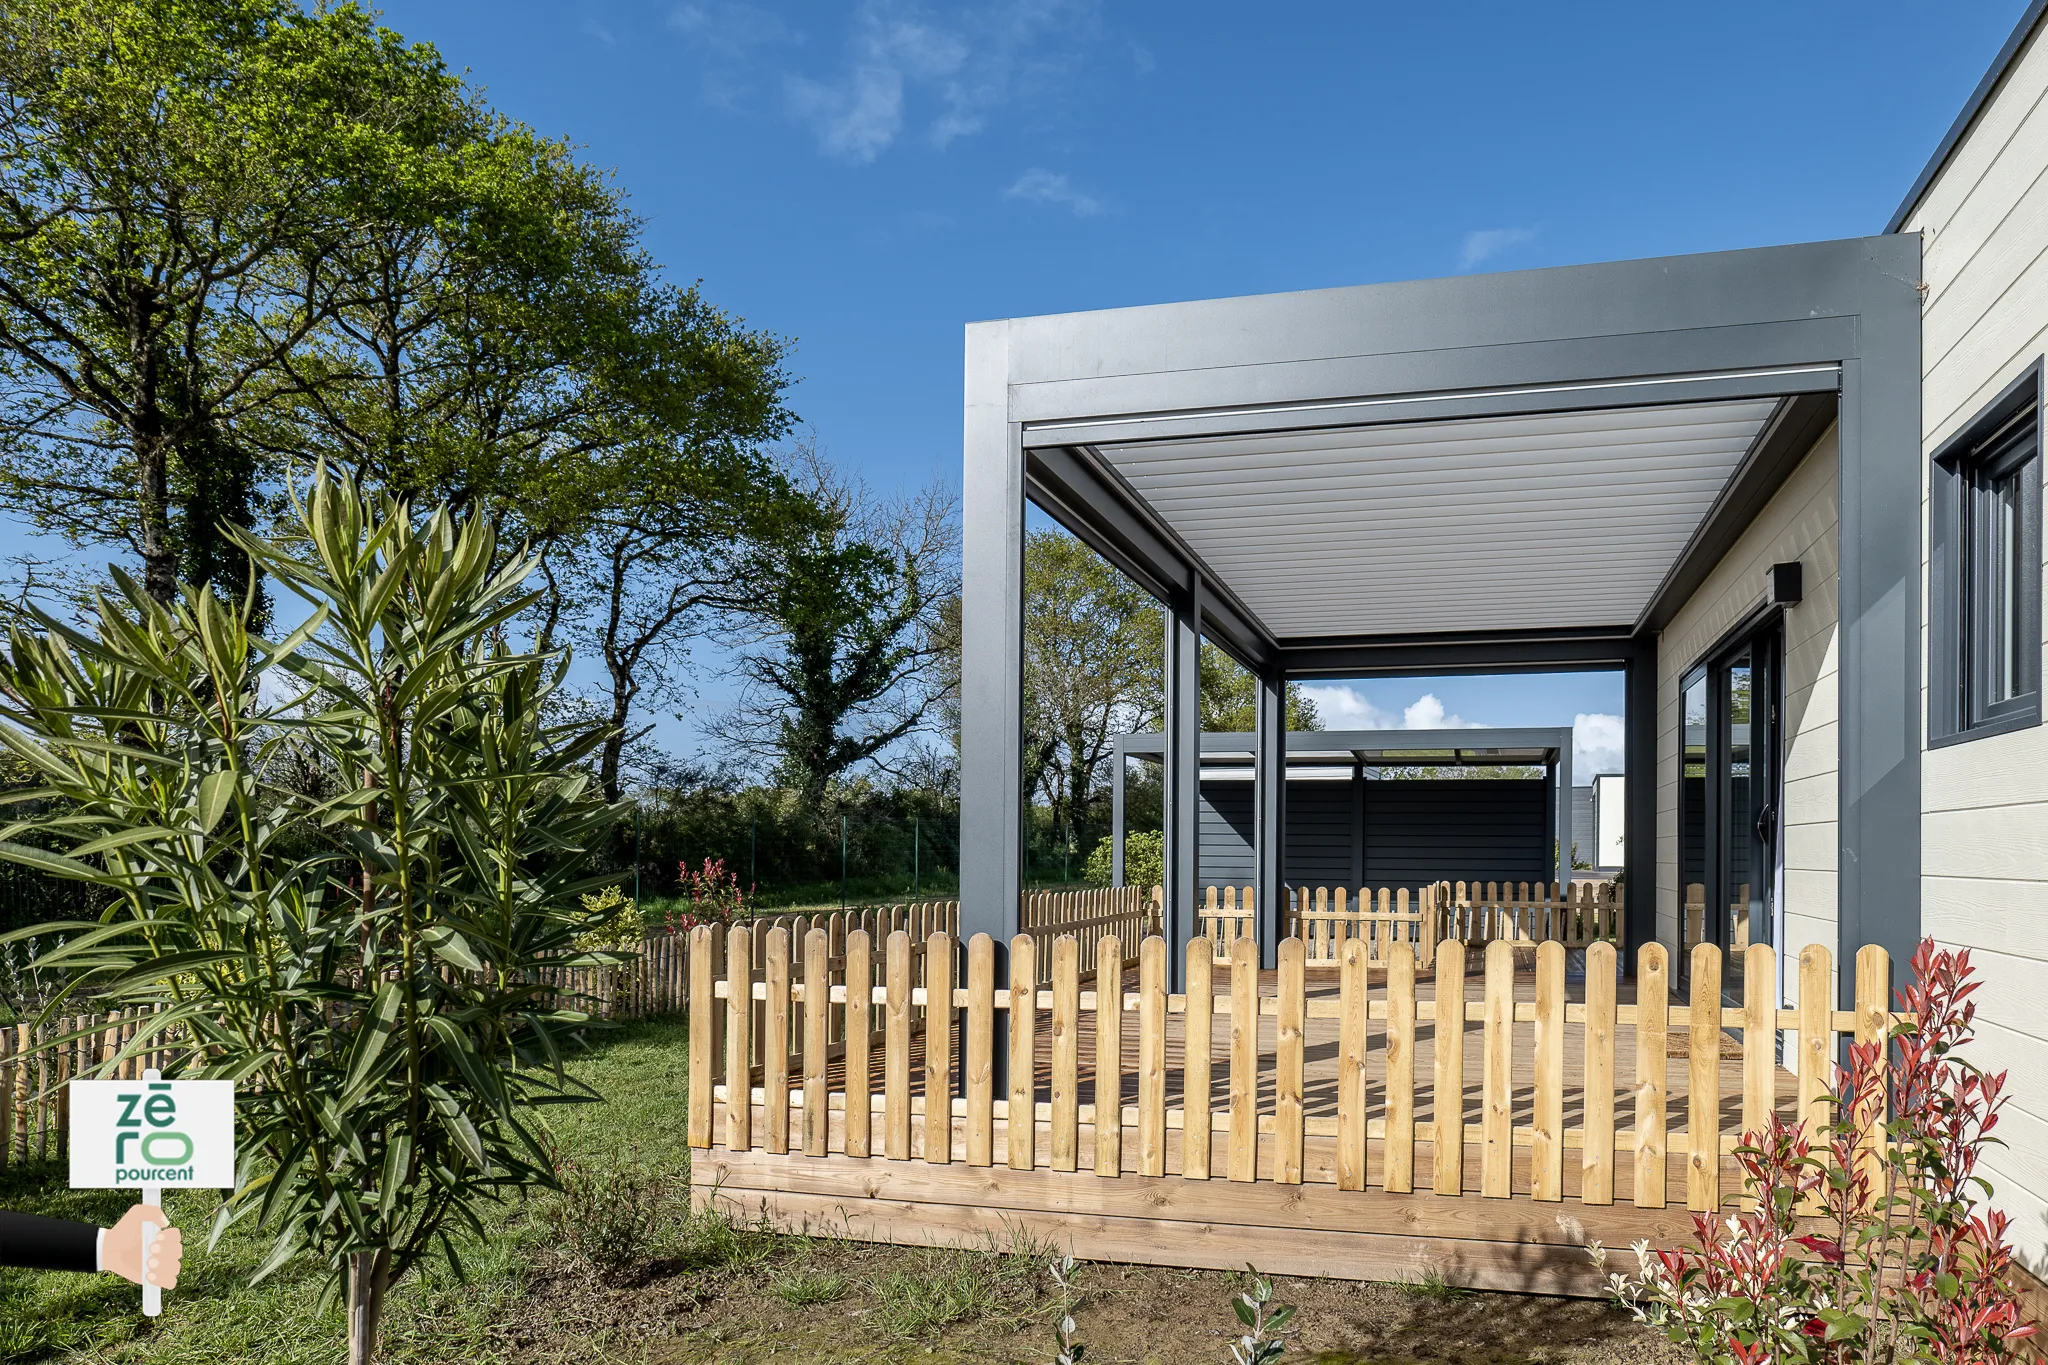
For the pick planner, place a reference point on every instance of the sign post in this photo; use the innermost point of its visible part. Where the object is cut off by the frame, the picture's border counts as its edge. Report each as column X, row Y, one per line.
column 152, row 1135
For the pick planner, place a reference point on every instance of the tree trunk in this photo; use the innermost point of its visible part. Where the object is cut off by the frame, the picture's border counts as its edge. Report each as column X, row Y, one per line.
column 159, row 556
column 151, row 445
column 369, row 1275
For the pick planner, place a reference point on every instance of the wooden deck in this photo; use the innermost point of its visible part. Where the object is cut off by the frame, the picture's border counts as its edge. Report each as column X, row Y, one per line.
column 1328, row 1148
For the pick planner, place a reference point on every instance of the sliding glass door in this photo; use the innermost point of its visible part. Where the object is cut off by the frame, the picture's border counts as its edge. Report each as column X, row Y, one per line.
column 1728, row 799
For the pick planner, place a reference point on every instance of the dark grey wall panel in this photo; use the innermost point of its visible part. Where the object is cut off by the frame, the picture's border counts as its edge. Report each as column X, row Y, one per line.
column 1320, row 834
column 1418, row 832
column 1226, row 834
column 1415, row 832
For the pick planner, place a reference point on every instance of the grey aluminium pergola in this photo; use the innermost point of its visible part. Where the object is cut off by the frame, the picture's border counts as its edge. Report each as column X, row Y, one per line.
column 1314, row 481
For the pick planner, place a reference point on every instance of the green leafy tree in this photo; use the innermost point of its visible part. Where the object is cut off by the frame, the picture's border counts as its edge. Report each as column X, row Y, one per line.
column 1094, row 645
column 848, row 656
column 504, row 344
column 1230, row 697
column 176, row 180
column 372, row 990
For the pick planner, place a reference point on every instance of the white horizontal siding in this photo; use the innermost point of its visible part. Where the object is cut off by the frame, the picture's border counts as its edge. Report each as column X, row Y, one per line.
column 1800, row 522
column 1984, row 824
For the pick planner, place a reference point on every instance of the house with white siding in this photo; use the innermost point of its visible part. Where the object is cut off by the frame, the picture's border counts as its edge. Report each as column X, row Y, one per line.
column 1794, row 493
column 1980, row 212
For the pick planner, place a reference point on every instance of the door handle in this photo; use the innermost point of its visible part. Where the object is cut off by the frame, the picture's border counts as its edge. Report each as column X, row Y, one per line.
column 1767, row 821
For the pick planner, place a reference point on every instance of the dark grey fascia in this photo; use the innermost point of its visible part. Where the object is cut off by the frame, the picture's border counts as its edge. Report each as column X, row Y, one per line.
column 1305, row 747
column 1577, row 649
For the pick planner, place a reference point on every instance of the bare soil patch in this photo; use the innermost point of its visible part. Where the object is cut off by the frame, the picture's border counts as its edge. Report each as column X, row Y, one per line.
column 760, row 1298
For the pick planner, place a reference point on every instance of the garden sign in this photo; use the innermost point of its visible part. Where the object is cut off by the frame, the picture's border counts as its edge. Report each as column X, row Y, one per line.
column 152, row 1134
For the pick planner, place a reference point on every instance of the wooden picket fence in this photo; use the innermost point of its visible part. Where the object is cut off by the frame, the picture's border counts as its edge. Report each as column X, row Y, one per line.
column 1474, row 913
column 34, row 1112
column 37, row 1061
column 1692, row 924
column 1577, row 916
column 1594, row 1100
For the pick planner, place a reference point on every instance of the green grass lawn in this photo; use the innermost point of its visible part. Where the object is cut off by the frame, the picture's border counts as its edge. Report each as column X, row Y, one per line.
column 214, row 1315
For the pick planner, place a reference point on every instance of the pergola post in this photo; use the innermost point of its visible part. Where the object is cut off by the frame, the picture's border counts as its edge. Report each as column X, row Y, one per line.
column 1183, row 774
column 1564, row 816
column 1269, row 807
column 992, row 660
column 1639, row 798
column 1116, row 815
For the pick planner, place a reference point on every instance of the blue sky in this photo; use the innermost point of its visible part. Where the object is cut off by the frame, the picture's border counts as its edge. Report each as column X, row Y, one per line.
column 866, row 176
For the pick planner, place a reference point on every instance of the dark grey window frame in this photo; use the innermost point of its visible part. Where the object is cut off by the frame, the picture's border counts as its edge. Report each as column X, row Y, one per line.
column 1959, row 707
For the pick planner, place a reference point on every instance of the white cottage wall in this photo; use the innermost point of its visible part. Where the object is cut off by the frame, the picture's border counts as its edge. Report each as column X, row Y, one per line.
column 1984, row 829
column 1799, row 522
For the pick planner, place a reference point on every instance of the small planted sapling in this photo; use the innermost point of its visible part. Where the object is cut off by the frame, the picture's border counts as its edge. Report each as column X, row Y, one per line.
column 1264, row 1322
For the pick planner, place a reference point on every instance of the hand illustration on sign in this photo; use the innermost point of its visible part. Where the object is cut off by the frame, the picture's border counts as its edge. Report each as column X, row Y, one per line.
column 147, row 1134
column 30, row 1242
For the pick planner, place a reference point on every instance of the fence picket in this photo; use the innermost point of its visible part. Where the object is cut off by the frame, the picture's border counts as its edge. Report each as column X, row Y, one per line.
column 1351, row 1014
column 1653, row 1065
column 1703, row 1083
column 1244, row 1059
column 1397, row 1152
column 1596, row 1178
column 1288, row 1062
column 1021, row 1121
column 1066, row 1053
column 1109, row 1057
column 701, row 1003
column 1546, row 1139
column 1497, row 1112
column 1447, row 1100
column 817, row 1038
column 1759, row 1035
column 896, row 1049
column 938, row 1049
column 1873, row 1023
column 739, row 1079
column 1152, row 1057
column 859, row 1025
column 1816, row 989
column 775, row 1042
column 978, row 1064
column 1197, row 1133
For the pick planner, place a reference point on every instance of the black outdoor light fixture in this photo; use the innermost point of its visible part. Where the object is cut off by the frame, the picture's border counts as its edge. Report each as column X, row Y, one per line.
column 1787, row 585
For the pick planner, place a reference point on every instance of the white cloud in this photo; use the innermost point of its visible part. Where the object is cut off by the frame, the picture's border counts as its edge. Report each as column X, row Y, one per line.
column 1487, row 243
column 1041, row 186
column 731, row 36
column 942, row 69
column 1343, row 707
column 728, row 27
column 1426, row 712
column 1597, row 740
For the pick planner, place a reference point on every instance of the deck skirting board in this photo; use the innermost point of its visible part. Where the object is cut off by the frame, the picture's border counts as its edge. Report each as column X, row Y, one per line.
column 1214, row 1225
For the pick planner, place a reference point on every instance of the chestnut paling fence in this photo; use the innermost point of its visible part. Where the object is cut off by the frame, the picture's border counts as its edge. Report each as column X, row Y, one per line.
column 37, row 1059
column 1474, row 913
column 33, row 1074
column 1476, row 1083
